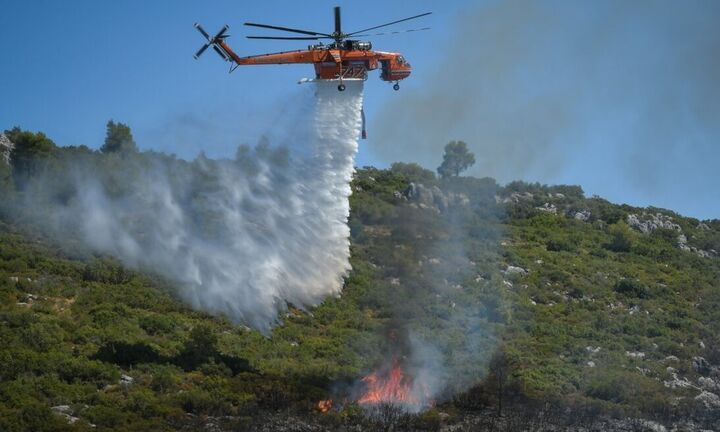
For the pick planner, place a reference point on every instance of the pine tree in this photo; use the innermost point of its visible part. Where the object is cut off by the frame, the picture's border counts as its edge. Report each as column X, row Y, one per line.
column 457, row 158
column 119, row 139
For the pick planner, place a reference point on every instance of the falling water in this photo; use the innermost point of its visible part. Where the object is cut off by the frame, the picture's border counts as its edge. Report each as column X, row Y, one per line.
column 242, row 237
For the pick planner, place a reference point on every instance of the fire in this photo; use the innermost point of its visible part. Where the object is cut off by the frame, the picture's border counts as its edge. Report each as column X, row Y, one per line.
column 395, row 387
column 324, row 405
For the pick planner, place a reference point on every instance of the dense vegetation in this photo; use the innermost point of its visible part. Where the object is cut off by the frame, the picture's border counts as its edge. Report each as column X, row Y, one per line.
column 533, row 293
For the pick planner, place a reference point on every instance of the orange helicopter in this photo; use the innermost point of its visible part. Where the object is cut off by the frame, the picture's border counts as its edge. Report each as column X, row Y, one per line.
column 342, row 59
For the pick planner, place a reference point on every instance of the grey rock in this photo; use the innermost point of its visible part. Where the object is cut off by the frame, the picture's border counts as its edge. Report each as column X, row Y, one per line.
column 648, row 222
column 515, row 270
column 708, row 384
column 62, row 409
column 67, row 412
column 433, row 197
column 6, row 148
column 701, row 253
column 126, row 380
column 651, row 426
column 517, row 197
column 582, row 215
column 548, row 208
column 638, row 355
column 70, row 419
column 677, row 382
column 592, row 350
column 708, row 400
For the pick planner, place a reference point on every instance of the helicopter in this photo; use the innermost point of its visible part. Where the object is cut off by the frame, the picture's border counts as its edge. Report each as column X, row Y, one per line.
column 344, row 58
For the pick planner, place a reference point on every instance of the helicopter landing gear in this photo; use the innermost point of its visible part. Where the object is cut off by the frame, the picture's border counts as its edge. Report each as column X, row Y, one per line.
column 396, row 87
column 341, row 87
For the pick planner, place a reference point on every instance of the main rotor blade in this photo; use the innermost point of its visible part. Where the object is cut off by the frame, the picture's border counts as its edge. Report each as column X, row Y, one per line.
column 202, row 31
column 390, row 23
column 391, row 33
column 337, row 20
column 287, row 38
column 288, row 29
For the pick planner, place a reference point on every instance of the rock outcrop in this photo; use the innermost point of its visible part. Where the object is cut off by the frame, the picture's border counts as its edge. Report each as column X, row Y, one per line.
column 433, row 197
column 649, row 222
column 548, row 208
column 682, row 243
column 511, row 270
column 709, row 400
column 6, row 148
column 514, row 198
column 582, row 215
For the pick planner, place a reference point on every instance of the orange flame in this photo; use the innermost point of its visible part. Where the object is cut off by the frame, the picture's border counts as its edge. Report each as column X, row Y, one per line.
column 393, row 388
column 324, row 405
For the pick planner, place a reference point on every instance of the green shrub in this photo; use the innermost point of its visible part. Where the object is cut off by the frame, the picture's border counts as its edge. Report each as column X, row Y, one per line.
column 558, row 244
column 157, row 324
column 106, row 271
column 631, row 288
column 622, row 238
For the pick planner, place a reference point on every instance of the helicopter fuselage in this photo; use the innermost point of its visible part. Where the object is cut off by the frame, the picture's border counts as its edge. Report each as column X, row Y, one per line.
column 334, row 61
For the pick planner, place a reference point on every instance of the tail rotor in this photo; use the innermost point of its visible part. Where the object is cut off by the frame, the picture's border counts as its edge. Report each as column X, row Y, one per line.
column 213, row 41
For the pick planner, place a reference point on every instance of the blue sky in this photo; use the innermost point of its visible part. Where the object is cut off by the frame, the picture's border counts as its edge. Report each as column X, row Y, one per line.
column 619, row 97
column 75, row 64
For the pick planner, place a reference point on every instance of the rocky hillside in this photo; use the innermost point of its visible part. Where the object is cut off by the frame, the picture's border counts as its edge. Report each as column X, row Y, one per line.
column 546, row 309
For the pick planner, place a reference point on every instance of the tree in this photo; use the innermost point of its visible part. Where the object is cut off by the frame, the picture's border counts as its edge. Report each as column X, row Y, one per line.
column 499, row 371
column 119, row 139
column 30, row 149
column 414, row 172
column 457, row 158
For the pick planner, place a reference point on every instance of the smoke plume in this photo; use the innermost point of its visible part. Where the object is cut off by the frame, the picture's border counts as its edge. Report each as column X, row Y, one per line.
column 239, row 237
column 614, row 95
column 443, row 294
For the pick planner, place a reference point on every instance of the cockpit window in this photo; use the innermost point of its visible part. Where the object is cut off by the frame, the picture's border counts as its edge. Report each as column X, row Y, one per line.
column 401, row 60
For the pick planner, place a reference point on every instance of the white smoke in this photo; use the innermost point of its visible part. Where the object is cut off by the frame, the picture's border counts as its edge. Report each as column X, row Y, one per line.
column 427, row 365
column 241, row 238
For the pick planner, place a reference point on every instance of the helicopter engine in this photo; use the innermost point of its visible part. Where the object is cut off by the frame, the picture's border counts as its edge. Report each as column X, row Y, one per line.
column 356, row 45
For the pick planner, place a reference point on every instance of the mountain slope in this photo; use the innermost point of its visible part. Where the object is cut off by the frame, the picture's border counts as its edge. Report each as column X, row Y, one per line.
column 527, row 294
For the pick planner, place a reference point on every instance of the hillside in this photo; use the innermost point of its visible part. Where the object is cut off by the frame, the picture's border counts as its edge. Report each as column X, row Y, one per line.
column 541, row 305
